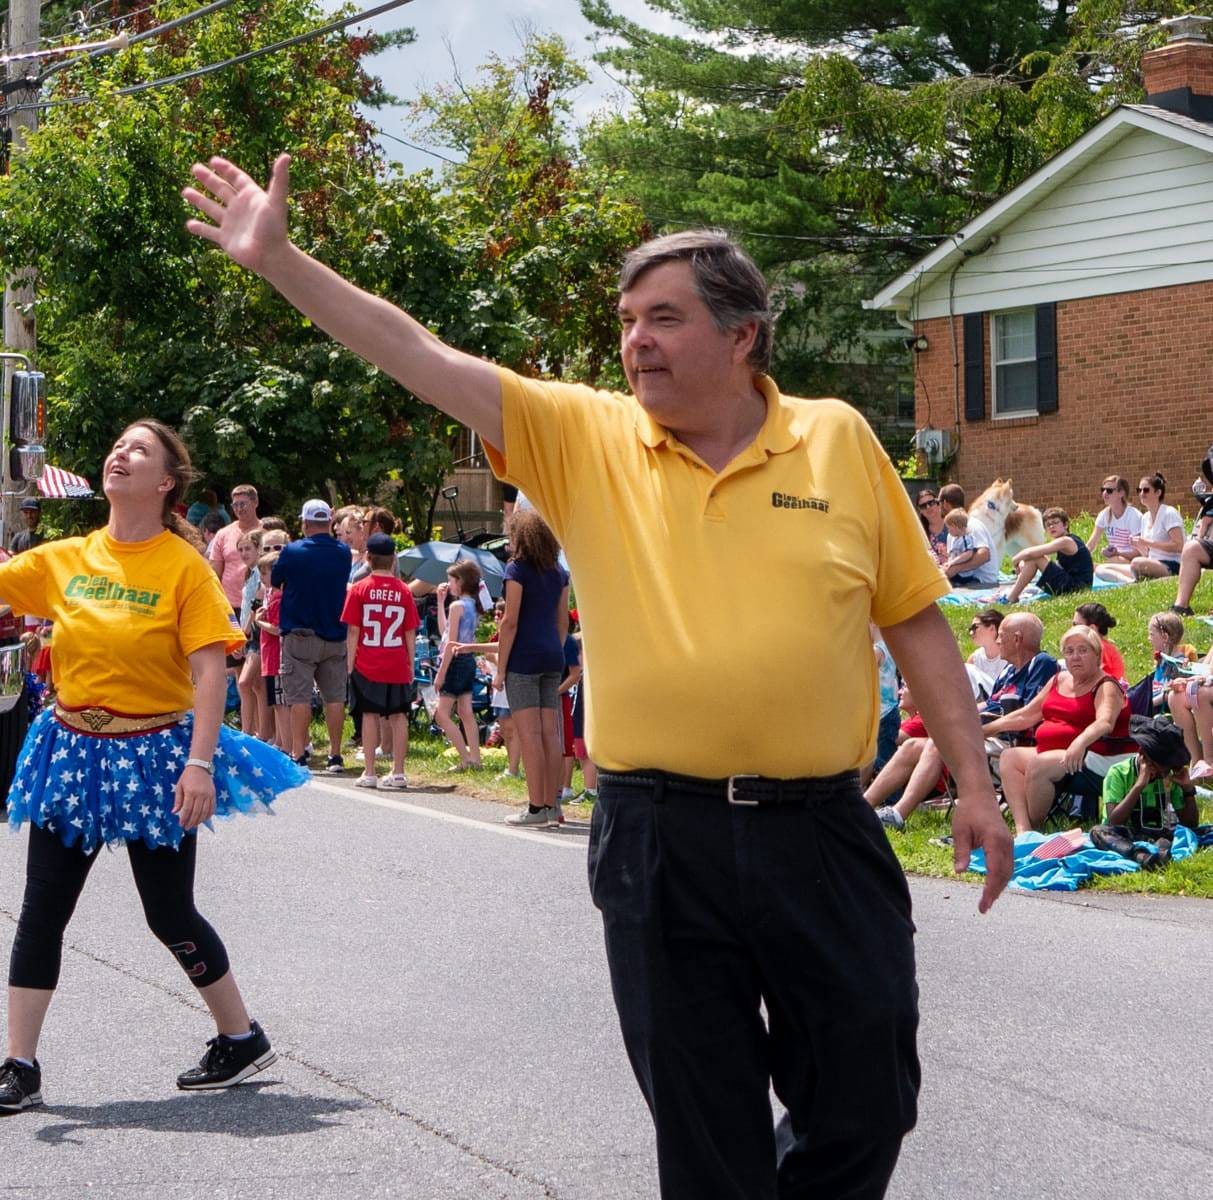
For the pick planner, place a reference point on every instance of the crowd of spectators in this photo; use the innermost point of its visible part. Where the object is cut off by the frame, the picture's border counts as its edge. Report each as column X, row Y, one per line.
column 332, row 626
column 1069, row 737
column 1126, row 544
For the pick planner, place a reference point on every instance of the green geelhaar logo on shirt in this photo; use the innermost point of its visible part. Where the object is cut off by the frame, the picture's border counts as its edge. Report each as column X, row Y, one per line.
column 101, row 587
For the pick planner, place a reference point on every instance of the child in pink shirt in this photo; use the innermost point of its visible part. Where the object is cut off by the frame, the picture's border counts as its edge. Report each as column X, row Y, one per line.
column 271, row 651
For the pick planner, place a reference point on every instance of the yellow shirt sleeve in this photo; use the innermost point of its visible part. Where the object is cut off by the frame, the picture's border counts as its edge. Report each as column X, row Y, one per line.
column 24, row 581
column 551, row 432
column 908, row 578
column 205, row 616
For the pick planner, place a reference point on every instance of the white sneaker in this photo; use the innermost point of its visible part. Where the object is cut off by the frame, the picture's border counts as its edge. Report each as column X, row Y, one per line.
column 526, row 817
column 394, row 783
column 566, row 794
column 366, row 781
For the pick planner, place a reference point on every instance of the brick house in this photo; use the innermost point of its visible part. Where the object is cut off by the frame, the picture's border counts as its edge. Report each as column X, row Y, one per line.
column 1066, row 333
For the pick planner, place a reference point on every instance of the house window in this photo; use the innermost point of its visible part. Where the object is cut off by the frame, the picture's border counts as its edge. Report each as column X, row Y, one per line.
column 1013, row 335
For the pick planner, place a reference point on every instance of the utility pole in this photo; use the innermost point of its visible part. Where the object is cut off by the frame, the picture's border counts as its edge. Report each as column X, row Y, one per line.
column 19, row 333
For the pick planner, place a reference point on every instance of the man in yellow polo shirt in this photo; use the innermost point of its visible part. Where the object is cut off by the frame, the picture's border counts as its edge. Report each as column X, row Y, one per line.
column 732, row 856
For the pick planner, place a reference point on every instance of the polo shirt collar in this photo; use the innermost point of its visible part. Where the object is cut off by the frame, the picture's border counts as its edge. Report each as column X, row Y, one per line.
column 776, row 435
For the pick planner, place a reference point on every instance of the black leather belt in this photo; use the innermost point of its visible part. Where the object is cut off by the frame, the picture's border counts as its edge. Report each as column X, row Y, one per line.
column 747, row 791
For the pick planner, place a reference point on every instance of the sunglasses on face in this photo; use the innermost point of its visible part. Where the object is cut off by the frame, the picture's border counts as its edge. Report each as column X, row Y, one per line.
column 1140, row 490
column 1108, row 491
column 975, row 627
column 928, row 504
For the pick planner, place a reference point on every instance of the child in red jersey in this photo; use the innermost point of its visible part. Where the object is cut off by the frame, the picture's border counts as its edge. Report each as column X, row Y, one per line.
column 381, row 624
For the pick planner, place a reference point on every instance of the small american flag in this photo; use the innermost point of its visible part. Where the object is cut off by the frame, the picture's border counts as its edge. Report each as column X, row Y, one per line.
column 1060, row 845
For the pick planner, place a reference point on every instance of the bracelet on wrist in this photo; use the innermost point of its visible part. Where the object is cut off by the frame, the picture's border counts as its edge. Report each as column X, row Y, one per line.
column 205, row 763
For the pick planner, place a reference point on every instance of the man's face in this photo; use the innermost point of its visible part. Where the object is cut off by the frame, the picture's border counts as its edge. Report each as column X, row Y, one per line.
column 32, row 517
column 1010, row 644
column 244, row 507
column 673, row 355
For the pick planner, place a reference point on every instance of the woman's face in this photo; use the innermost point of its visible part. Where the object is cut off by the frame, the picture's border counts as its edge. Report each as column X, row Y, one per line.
column 1145, row 490
column 1081, row 660
column 453, row 587
column 928, row 506
column 136, row 468
column 985, row 636
column 352, row 531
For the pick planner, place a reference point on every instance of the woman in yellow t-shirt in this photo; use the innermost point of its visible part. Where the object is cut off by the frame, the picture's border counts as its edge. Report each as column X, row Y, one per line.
column 134, row 749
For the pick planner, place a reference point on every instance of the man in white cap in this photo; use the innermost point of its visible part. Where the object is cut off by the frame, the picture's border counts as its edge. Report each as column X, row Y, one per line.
column 312, row 574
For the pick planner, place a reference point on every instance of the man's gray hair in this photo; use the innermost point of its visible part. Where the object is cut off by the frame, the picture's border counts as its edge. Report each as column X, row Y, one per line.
column 726, row 279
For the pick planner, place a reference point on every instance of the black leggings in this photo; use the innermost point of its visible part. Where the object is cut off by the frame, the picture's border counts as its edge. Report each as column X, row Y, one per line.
column 54, row 879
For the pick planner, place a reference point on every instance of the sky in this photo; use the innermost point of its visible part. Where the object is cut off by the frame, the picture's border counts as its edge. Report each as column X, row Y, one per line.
column 472, row 29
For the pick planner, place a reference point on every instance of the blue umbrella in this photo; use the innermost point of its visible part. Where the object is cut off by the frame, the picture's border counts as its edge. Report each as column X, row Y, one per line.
column 429, row 561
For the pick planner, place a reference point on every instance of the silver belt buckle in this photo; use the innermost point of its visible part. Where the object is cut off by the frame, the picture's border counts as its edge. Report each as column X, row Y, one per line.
column 731, row 791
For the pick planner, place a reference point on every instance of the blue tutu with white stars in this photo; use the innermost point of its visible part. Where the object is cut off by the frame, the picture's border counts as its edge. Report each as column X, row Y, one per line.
column 90, row 790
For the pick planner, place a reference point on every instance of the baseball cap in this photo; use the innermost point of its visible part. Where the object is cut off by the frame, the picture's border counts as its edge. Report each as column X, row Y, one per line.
column 30, row 506
column 380, row 543
column 316, row 510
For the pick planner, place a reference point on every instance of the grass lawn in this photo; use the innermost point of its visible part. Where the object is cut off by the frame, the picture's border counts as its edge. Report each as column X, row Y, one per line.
column 1132, row 606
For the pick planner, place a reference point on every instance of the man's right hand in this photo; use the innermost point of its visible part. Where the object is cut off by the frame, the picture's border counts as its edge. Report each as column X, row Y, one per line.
column 249, row 222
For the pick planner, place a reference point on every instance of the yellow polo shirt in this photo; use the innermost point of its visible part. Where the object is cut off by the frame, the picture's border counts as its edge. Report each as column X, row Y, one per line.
column 127, row 617
column 725, row 614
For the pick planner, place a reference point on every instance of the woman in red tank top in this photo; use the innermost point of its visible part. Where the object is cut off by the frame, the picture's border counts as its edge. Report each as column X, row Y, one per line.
column 1080, row 711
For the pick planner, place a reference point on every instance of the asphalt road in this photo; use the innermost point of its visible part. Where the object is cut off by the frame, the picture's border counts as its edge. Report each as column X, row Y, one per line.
column 436, row 989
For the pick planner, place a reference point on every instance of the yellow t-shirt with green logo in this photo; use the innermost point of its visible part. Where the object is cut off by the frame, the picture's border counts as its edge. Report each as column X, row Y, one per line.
column 725, row 614
column 127, row 616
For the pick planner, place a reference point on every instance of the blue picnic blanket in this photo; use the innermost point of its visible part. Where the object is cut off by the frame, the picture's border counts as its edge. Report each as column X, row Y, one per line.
column 985, row 597
column 1070, row 873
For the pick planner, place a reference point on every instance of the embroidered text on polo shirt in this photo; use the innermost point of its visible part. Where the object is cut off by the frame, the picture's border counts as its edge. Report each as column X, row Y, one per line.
column 783, row 500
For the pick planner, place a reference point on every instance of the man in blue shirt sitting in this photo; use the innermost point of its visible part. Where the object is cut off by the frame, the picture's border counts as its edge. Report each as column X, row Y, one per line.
column 312, row 574
column 1028, row 667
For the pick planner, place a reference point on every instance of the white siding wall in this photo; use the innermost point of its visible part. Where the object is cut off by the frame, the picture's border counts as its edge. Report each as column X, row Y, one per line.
column 1139, row 216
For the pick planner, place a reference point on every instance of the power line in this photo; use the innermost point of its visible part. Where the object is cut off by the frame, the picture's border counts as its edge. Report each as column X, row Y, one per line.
column 413, row 146
column 155, row 31
column 211, row 68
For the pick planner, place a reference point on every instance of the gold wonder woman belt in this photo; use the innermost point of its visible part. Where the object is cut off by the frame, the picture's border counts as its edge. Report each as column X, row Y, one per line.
column 100, row 722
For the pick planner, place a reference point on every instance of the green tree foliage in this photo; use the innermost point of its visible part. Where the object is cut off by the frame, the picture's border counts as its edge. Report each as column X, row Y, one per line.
column 549, row 230
column 510, row 255
column 842, row 138
column 137, row 317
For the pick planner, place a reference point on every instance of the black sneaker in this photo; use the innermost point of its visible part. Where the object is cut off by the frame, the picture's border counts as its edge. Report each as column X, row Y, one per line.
column 336, row 765
column 303, row 760
column 227, row 1062
column 20, row 1086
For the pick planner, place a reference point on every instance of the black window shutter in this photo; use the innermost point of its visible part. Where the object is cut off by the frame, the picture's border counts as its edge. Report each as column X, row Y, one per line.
column 975, row 367
column 1046, row 358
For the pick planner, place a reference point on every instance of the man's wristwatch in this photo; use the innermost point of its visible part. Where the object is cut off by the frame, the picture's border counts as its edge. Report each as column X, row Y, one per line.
column 204, row 763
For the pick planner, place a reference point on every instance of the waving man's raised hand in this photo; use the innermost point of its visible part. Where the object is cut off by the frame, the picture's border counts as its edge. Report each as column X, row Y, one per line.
column 246, row 221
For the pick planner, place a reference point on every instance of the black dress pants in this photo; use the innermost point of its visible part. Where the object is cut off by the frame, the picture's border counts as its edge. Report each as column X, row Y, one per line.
column 713, row 912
